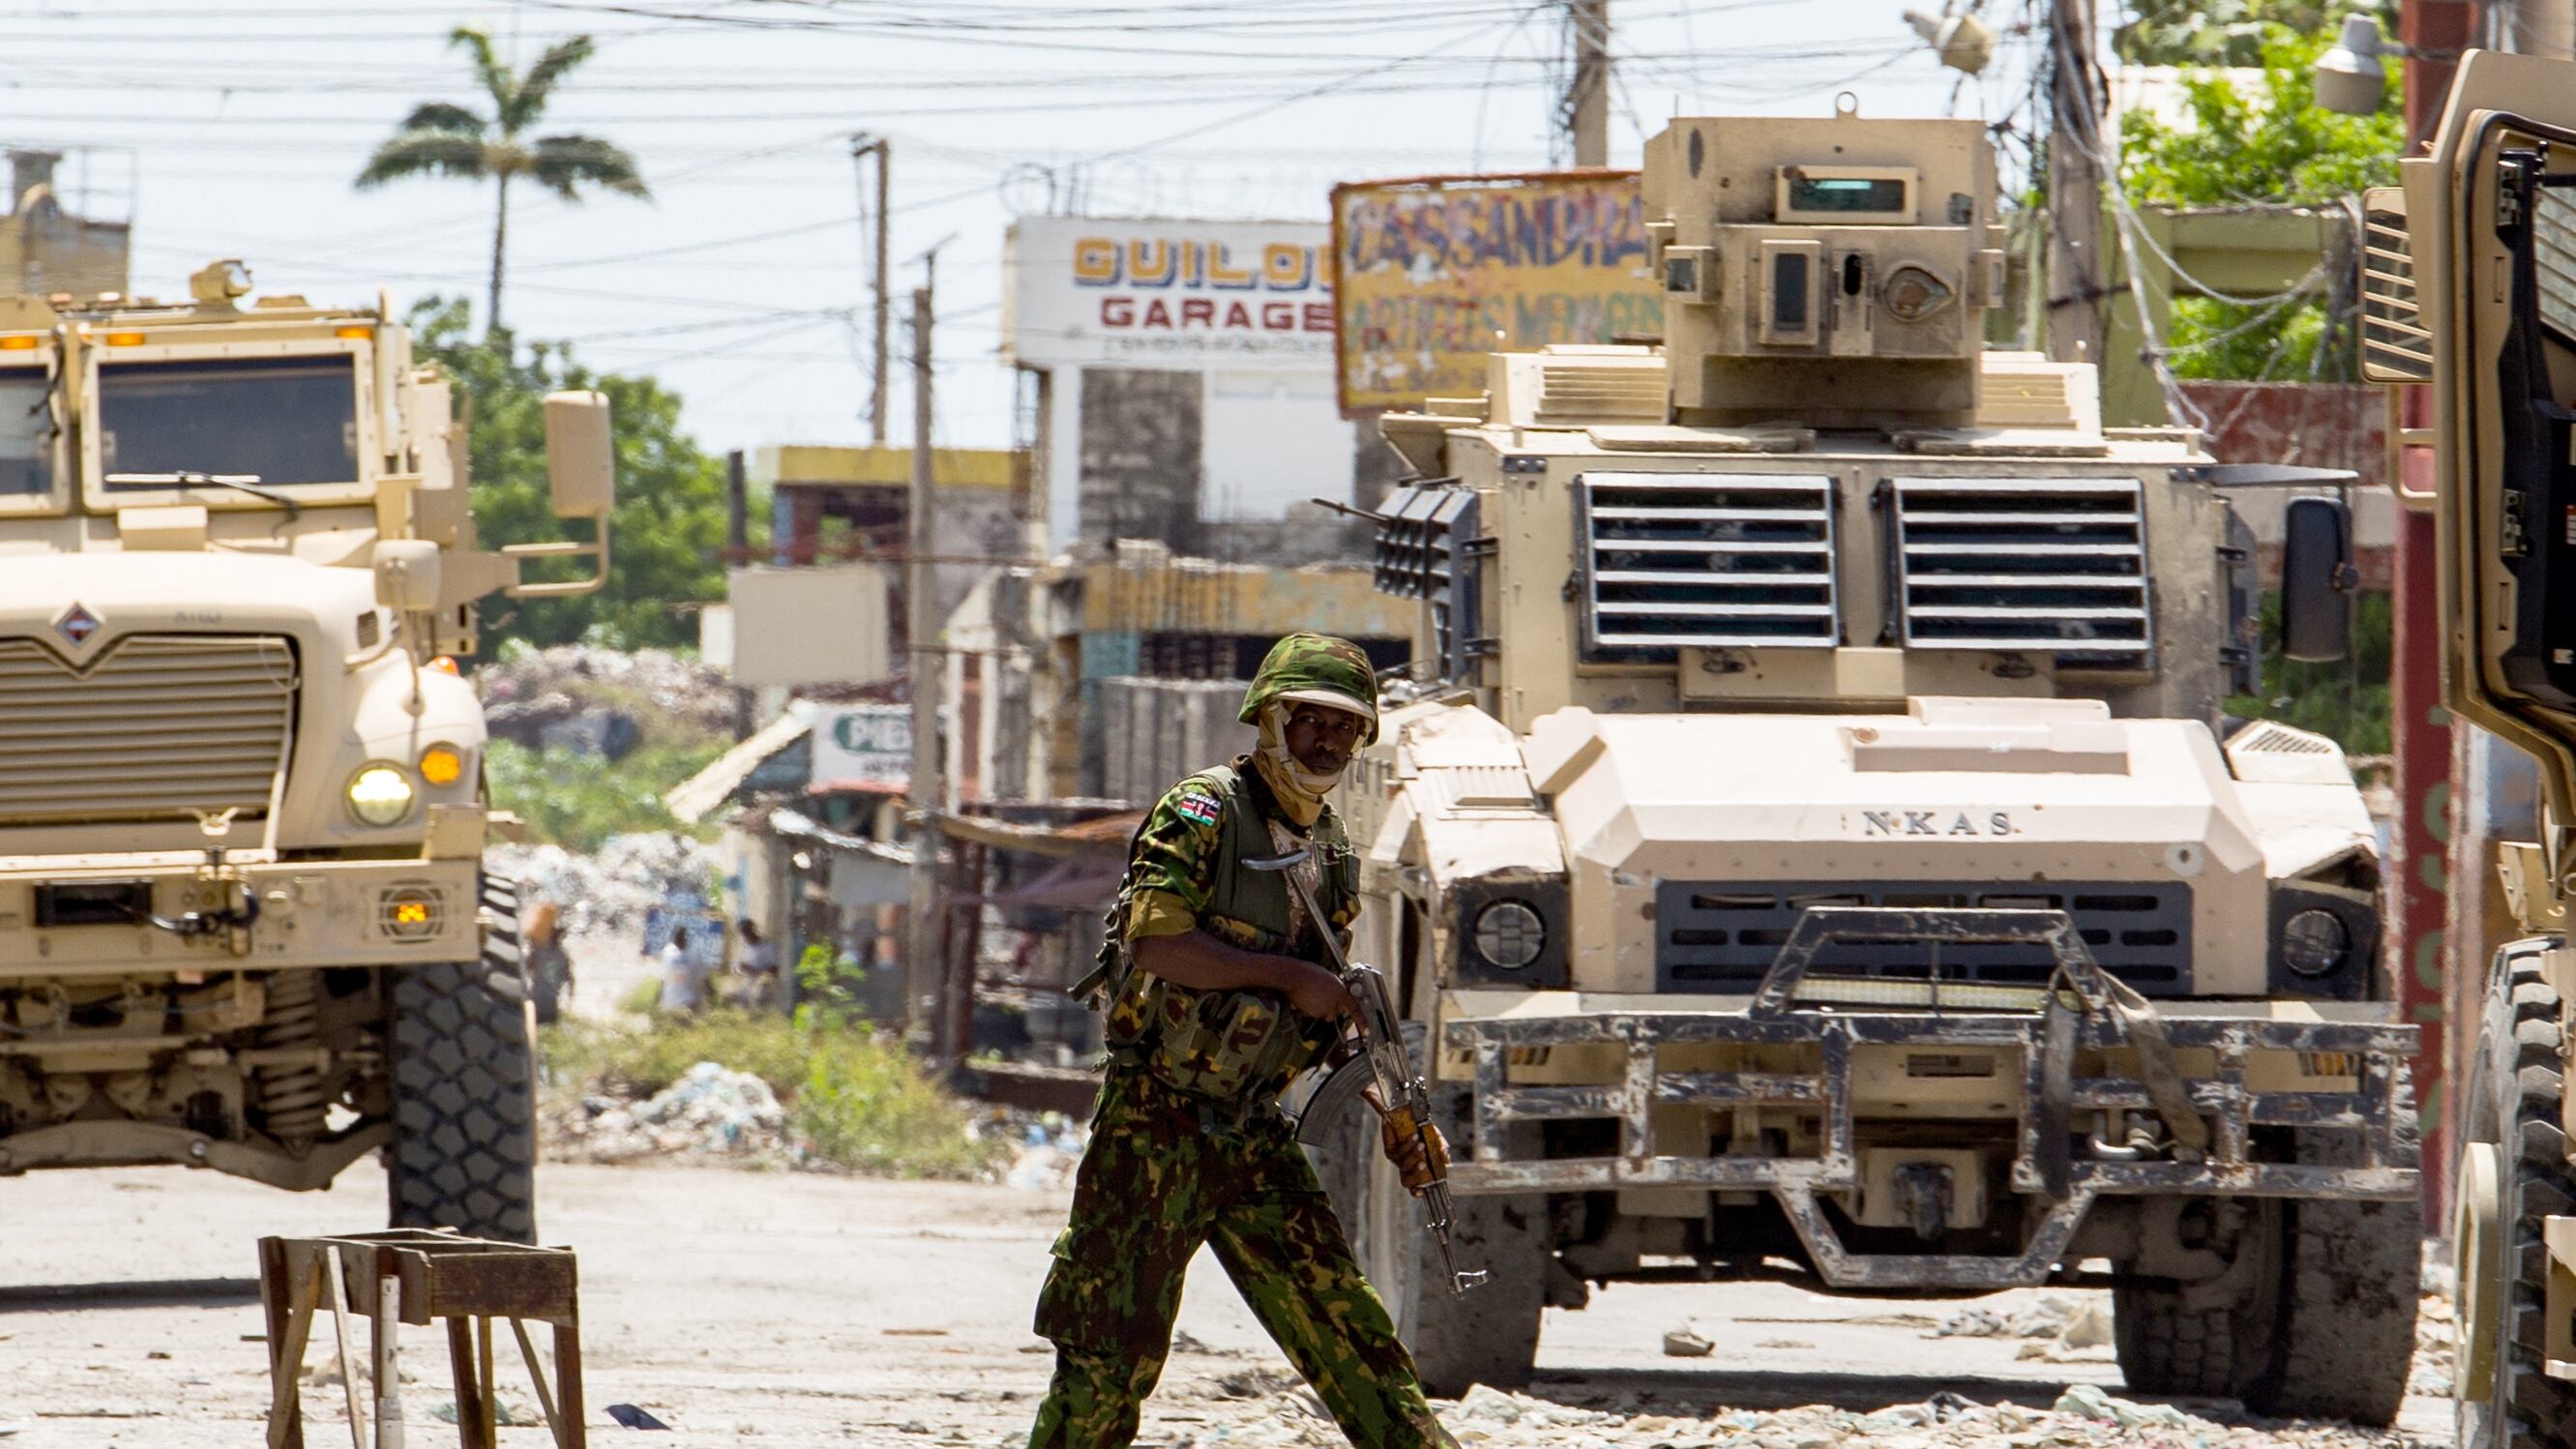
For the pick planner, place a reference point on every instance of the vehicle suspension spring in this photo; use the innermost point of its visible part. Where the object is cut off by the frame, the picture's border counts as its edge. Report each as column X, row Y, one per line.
column 293, row 1096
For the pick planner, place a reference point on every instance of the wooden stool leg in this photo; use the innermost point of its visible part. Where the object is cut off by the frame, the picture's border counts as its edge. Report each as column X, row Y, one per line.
column 568, row 1401
column 290, row 1317
column 470, row 1391
column 333, row 1271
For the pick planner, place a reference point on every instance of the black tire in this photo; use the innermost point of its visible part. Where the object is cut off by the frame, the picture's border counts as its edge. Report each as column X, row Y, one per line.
column 1488, row 1335
column 2513, row 1106
column 2167, row 1348
column 2167, row 1345
column 464, row 1150
column 2351, row 1273
column 2324, row 1325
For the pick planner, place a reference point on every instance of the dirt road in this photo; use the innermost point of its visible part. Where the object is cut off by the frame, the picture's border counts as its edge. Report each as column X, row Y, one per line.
column 768, row 1310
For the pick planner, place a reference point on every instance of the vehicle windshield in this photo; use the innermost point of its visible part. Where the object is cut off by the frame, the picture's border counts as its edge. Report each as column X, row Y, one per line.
column 275, row 421
column 26, row 434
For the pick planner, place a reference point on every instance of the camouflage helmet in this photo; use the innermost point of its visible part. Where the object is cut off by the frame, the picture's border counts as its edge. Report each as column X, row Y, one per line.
column 1317, row 668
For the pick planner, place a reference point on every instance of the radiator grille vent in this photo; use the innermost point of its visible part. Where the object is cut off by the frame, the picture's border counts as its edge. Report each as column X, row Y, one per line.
column 2056, row 565
column 1707, row 559
column 1723, row 935
column 162, row 727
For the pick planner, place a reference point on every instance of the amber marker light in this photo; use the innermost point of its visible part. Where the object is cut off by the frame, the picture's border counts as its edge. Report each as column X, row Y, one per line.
column 125, row 339
column 18, row 344
column 442, row 765
column 445, row 664
column 361, row 333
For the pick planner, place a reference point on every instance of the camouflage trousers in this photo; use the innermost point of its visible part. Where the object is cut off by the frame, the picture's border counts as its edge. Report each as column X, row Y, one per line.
column 1156, row 1183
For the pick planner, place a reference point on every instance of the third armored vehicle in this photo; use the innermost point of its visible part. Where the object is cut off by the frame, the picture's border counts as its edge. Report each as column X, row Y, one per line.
column 1819, row 849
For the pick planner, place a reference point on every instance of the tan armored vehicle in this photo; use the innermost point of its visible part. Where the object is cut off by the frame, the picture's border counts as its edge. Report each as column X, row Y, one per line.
column 2466, row 285
column 243, row 917
column 1821, row 852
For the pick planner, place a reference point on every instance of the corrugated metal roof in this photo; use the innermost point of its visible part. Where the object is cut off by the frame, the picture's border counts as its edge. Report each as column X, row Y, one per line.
column 699, row 796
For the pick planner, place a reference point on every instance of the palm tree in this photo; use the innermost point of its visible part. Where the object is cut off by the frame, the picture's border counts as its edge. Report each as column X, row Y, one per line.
column 440, row 139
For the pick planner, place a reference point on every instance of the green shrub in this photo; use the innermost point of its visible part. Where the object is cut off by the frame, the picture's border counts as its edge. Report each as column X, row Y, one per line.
column 855, row 1099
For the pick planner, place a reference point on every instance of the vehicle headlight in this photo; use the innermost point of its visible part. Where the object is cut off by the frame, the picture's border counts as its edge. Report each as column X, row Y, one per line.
column 1509, row 935
column 2314, row 942
column 380, row 795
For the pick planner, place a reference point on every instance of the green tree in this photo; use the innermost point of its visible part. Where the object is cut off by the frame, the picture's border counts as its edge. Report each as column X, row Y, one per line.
column 2274, row 146
column 2225, row 32
column 669, row 524
column 443, row 139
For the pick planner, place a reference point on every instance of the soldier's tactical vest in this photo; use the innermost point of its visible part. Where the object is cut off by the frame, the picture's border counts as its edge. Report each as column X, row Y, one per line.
column 1237, row 1048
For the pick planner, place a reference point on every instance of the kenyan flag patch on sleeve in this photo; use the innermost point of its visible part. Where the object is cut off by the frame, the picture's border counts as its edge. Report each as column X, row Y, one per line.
column 1199, row 805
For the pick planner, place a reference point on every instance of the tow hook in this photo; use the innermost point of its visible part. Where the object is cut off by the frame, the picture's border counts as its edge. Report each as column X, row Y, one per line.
column 189, row 925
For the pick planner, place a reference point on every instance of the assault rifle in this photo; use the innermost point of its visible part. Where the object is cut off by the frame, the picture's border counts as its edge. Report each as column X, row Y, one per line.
column 1383, row 1061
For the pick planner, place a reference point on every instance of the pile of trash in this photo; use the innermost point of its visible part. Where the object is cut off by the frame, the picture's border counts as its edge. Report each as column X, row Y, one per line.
column 2084, row 1414
column 1050, row 1148
column 599, row 701
column 612, row 889
column 709, row 1112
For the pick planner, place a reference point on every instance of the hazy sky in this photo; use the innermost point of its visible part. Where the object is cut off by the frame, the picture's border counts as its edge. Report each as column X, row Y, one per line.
column 232, row 127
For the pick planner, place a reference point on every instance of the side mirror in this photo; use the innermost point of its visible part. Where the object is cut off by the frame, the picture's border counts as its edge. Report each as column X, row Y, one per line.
column 2317, row 579
column 581, row 460
column 407, row 575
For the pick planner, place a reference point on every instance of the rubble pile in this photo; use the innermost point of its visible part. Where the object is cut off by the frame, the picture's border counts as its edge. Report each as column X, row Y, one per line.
column 600, row 701
column 709, row 1113
column 2058, row 1330
column 612, row 889
column 2083, row 1415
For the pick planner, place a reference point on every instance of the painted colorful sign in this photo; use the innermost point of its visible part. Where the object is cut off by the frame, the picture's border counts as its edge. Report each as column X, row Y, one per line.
column 1184, row 294
column 1429, row 273
column 862, row 745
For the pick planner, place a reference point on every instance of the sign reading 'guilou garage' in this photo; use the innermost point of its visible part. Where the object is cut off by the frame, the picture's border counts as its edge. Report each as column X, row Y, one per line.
column 1086, row 290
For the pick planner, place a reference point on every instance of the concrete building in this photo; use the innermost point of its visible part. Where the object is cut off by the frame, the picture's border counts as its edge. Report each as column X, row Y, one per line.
column 45, row 250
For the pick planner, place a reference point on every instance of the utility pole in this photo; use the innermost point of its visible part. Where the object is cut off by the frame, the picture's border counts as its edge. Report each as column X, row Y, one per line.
column 1587, row 100
column 2076, row 266
column 862, row 146
column 924, row 944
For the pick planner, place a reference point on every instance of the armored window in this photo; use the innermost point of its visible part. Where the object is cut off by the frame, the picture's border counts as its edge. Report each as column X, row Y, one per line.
column 26, row 433
column 278, row 421
column 1675, row 559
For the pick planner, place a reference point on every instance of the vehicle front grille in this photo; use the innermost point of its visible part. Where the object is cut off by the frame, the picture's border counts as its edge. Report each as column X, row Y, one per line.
column 1709, row 559
column 2052, row 565
column 160, row 727
column 1724, row 935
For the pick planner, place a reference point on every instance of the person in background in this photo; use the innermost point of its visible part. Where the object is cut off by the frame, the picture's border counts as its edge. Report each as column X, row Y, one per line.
column 759, row 964
column 684, row 984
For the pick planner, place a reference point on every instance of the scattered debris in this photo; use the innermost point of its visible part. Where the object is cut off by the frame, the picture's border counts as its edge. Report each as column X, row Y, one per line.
column 710, row 1112
column 590, row 699
column 1682, row 1343
column 1050, row 1150
column 634, row 1418
column 612, row 889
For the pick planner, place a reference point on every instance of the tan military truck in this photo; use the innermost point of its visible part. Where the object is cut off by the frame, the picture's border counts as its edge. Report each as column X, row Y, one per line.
column 244, row 922
column 1818, row 849
column 2467, row 287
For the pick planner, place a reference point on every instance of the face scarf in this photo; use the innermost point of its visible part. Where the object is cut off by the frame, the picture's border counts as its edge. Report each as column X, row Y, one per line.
column 1300, row 791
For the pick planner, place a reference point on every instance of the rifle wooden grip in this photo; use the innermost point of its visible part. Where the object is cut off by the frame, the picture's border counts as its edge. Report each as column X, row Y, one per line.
column 1401, row 1119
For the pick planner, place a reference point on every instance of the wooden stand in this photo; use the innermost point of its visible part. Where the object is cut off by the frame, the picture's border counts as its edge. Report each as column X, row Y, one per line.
column 413, row 1275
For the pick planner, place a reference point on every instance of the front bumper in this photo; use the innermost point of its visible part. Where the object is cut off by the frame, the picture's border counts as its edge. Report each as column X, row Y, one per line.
column 310, row 913
column 2226, row 1077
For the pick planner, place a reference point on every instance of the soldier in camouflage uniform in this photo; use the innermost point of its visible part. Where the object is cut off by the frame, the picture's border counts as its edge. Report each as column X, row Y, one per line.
column 1217, row 1001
